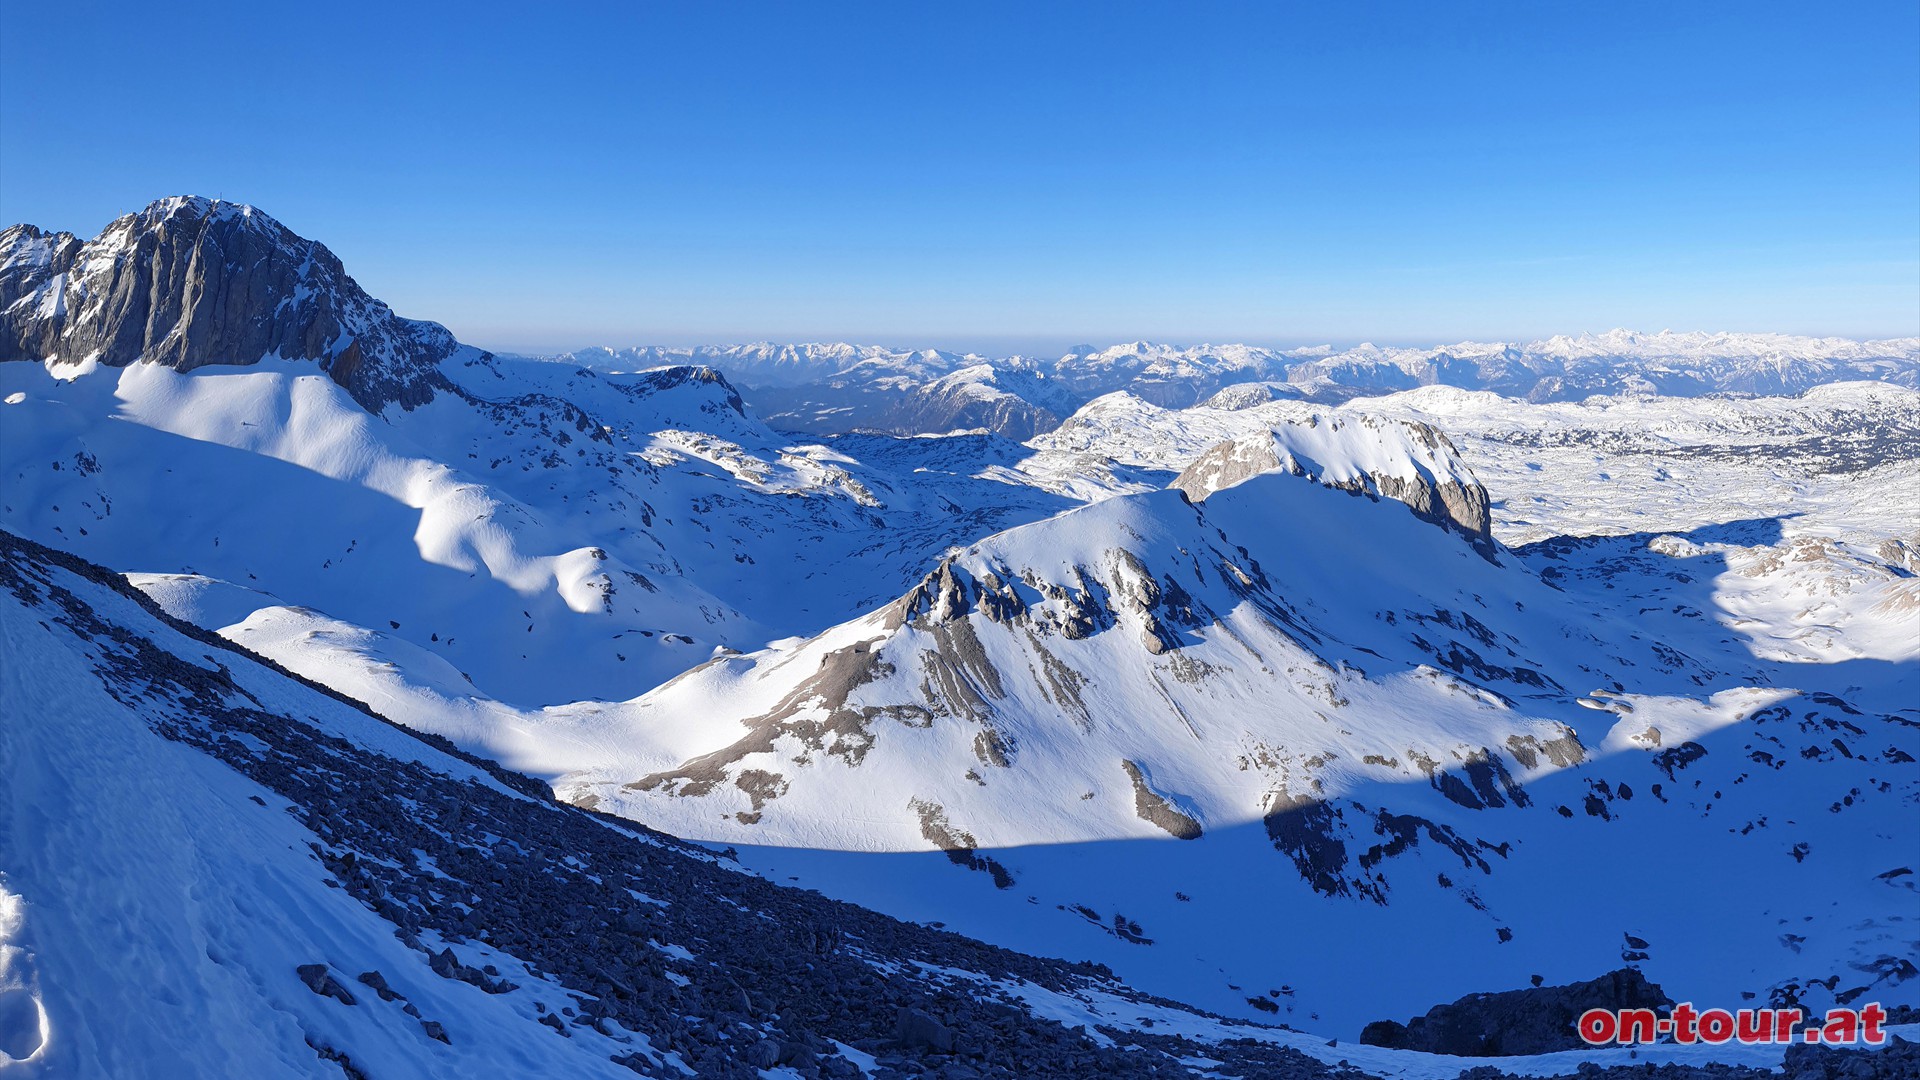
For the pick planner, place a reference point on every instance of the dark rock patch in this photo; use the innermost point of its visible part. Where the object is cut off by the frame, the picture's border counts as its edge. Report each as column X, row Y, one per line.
column 1536, row 1020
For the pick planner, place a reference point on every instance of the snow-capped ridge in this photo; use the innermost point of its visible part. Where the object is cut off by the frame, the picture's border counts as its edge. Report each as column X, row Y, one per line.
column 1254, row 394
column 190, row 281
column 1404, row 460
column 824, row 388
column 660, row 379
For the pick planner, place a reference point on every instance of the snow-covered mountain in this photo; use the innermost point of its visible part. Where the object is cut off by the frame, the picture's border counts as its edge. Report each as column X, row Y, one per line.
column 833, row 389
column 551, row 533
column 1168, row 727
column 212, row 868
column 192, row 281
column 830, row 388
column 1223, row 650
column 766, row 364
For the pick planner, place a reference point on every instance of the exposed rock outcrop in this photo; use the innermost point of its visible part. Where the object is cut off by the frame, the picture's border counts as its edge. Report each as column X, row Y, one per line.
column 189, row 282
column 1156, row 809
column 1402, row 460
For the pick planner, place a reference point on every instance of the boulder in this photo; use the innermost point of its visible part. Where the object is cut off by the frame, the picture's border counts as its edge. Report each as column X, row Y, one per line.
column 911, row 1027
column 321, row 981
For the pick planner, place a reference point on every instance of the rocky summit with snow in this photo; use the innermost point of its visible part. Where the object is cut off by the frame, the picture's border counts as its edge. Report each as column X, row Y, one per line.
column 192, row 281
column 375, row 705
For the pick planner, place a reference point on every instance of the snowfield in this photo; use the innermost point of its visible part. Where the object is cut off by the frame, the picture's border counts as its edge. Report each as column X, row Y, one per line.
column 1309, row 688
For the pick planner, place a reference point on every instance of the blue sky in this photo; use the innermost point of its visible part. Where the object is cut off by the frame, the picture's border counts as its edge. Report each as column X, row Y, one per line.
column 1022, row 176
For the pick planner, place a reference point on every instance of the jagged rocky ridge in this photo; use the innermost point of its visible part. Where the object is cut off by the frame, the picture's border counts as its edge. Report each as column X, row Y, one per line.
column 1531, row 1021
column 193, row 281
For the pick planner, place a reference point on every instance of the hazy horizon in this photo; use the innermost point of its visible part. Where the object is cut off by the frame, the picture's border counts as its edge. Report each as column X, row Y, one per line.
column 1052, row 347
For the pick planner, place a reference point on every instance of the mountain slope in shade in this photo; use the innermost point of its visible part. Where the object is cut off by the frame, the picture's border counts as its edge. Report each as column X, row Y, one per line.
column 192, row 281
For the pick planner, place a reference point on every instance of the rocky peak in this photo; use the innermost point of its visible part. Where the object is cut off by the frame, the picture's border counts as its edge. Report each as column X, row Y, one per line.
column 191, row 281
column 1404, row 460
column 24, row 248
column 658, row 380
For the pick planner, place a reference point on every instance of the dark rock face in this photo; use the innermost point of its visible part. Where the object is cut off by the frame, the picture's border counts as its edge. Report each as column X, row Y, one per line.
column 1899, row 1060
column 189, row 282
column 1535, row 1021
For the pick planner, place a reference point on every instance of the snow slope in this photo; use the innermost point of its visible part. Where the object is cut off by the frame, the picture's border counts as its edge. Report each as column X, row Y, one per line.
column 211, row 869
column 1159, row 688
column 550, row 553
column 162, row 911
column 200, row 853
column 1134, row 719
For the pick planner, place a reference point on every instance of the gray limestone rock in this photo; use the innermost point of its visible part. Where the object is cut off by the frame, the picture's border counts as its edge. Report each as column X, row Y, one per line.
column 190, row 282
column 1441, row 488
column 1157, row 809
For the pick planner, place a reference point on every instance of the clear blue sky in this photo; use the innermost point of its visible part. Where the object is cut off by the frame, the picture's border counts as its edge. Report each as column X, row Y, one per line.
column 1018, row 176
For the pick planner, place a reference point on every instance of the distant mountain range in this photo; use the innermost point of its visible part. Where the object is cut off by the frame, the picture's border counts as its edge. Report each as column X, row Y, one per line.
column 825, row 388
column 187, row 281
